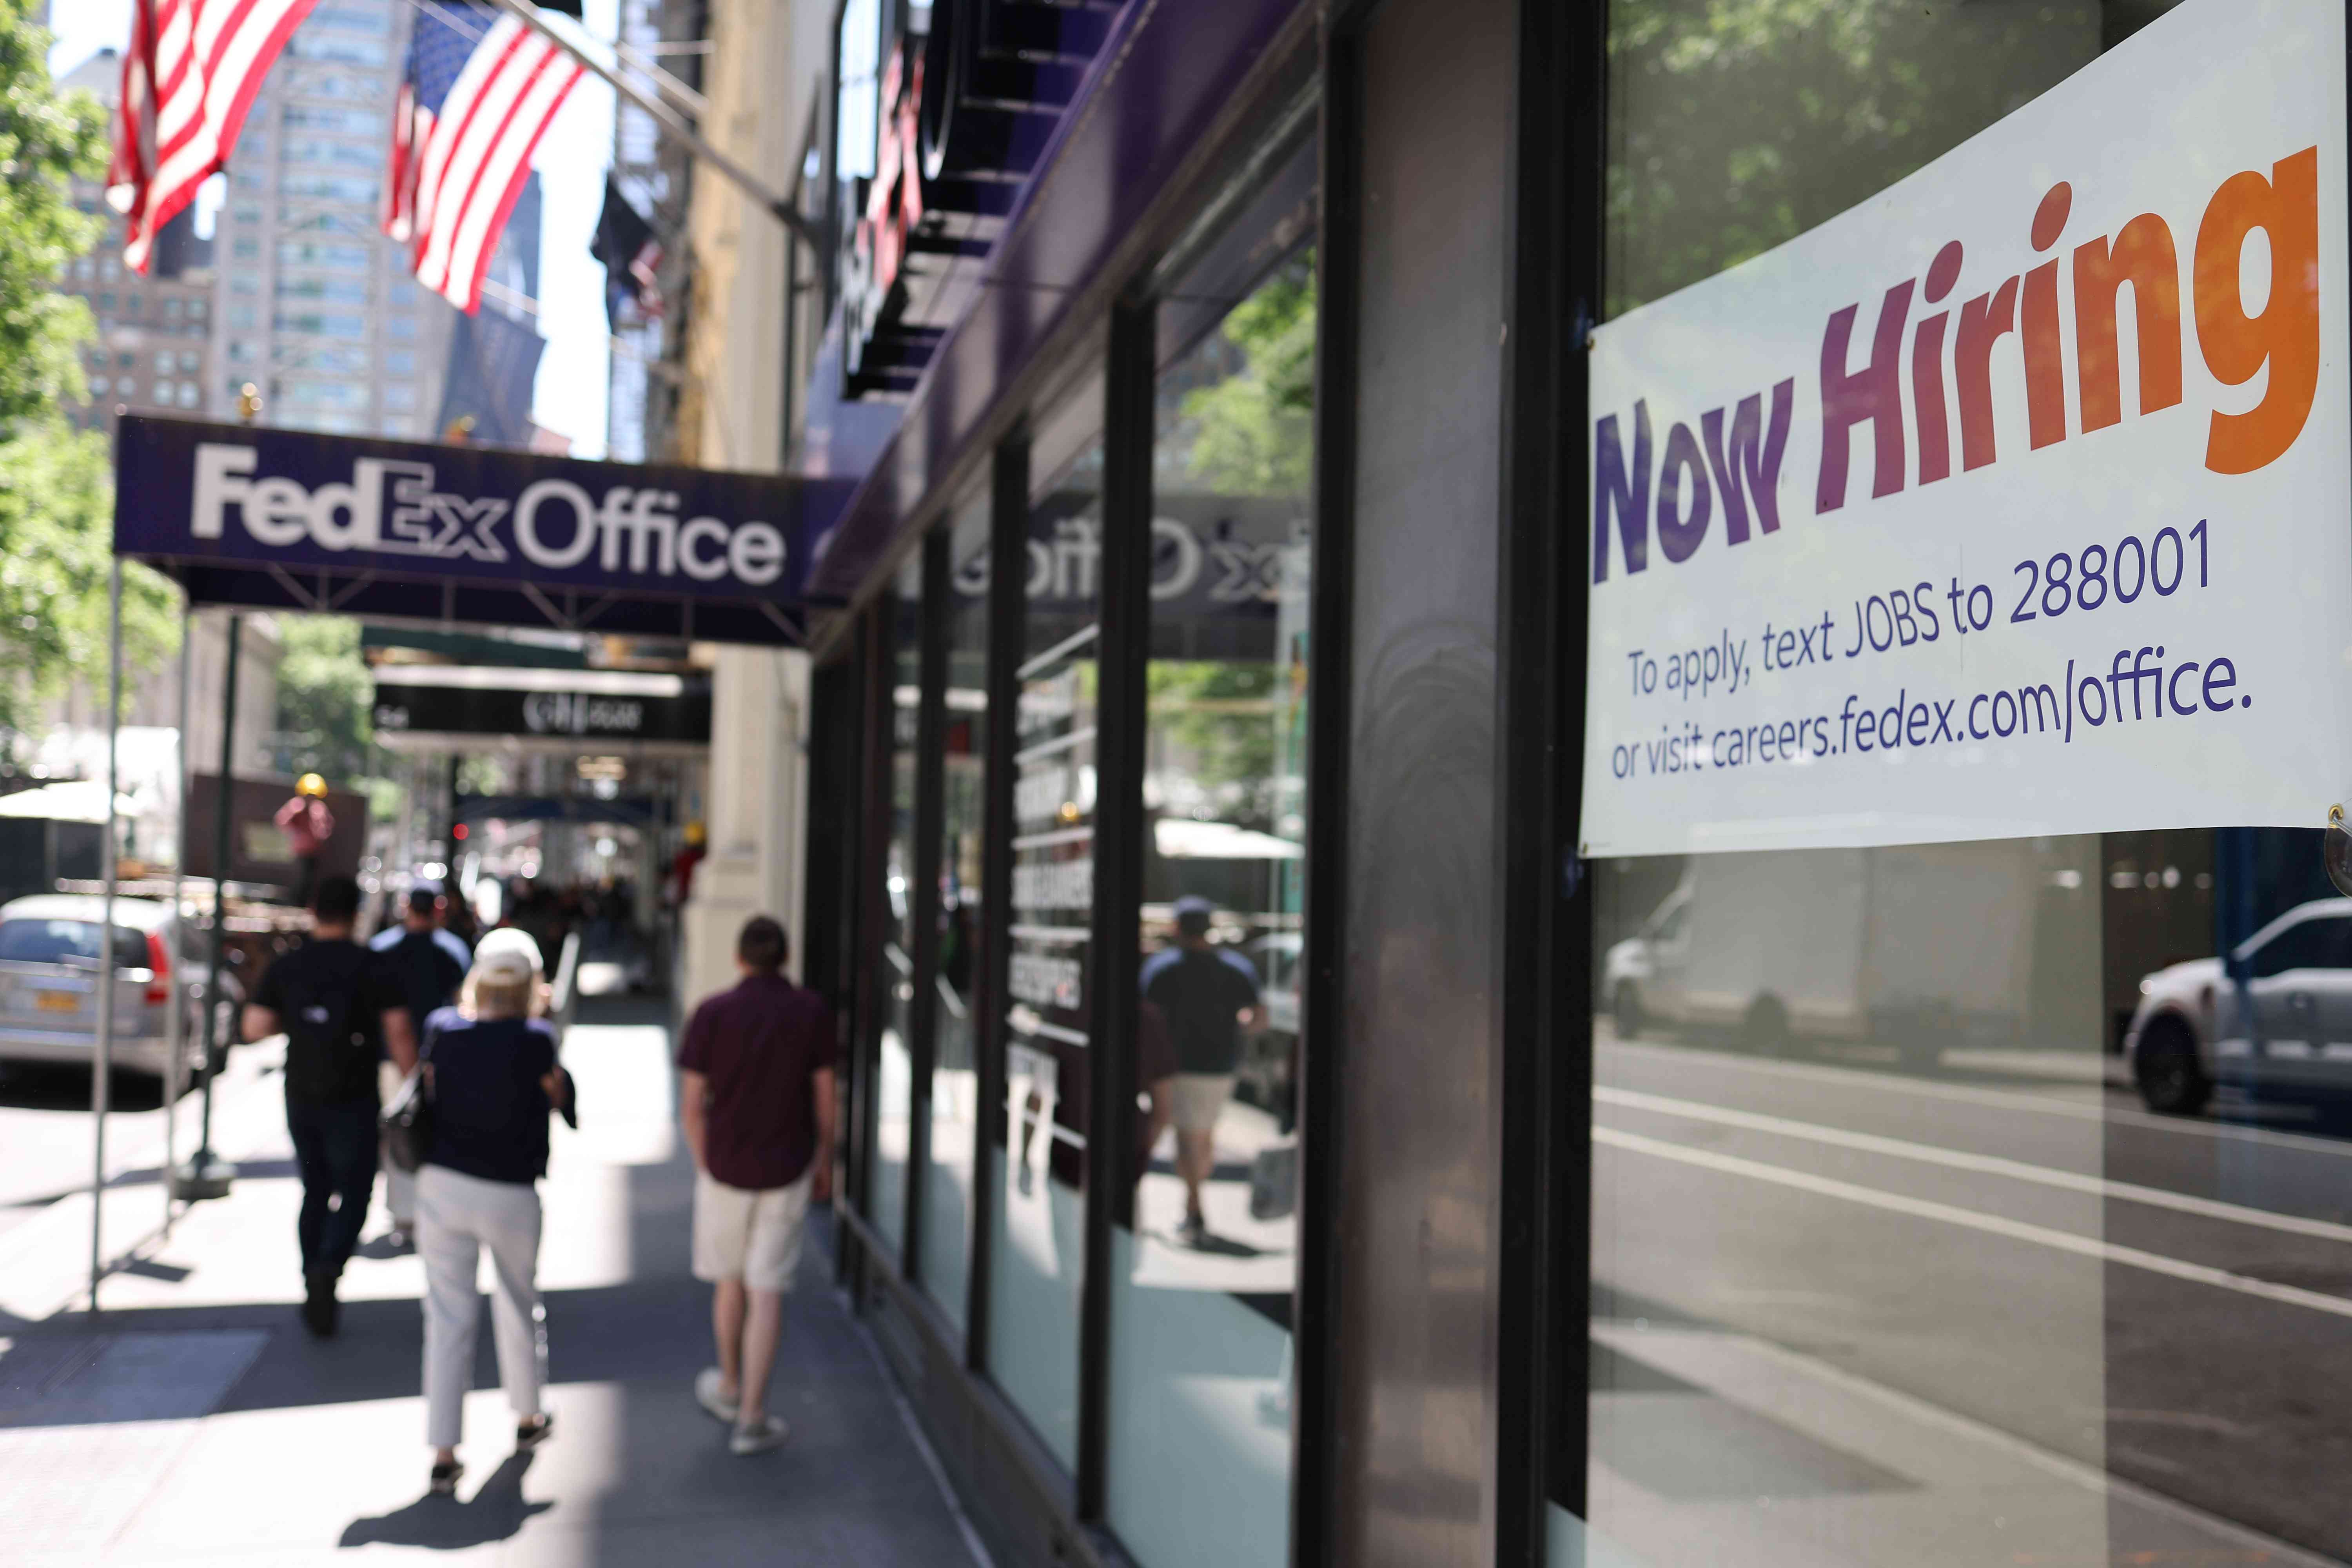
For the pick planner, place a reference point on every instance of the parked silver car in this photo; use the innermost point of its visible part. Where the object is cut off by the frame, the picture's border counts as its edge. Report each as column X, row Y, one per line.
column 2275, row 1018
column 48, row 982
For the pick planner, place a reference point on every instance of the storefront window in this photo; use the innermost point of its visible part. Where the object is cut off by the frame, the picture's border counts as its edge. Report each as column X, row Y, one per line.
column 895, row 1071
column 1956, row 1202
column 1038, row 1264
column 1205, row 1256
column 961, row 955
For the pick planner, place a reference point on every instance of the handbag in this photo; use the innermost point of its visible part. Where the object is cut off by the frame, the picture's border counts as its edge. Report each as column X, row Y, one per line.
column 1273, row 1183
column 407, row 1122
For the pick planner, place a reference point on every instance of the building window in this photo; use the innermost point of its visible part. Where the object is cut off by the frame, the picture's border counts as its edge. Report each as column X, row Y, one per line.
column 956, row 1024
column 187, row 394
column 110, row 269
column 894, row 1086
column 106, row 299
column 399, row 394
column 163, row 360
column 1810, row 1294
column 99, row 386
column 125, row 359
column 197, row 311
column 187, row 361
column 401, row 326
column 1037, row 1247
column 400, row 362
column 1222, row 921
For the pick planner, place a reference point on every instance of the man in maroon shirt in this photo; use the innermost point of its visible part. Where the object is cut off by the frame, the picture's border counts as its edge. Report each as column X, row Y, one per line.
column 756, row 1094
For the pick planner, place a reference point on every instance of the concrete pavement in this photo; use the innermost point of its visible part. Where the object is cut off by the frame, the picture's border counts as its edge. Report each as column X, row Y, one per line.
column 193, row 1421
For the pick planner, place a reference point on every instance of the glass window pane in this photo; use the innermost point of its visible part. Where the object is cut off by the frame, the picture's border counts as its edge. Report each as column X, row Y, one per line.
column 1200, row 1361
column 895, row 1076
column 1943, row 1195
column 1038, row 1258
column 955, row 1023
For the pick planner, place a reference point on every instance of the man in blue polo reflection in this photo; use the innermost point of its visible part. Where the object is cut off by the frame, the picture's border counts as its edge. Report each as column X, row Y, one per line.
column 1209, row 995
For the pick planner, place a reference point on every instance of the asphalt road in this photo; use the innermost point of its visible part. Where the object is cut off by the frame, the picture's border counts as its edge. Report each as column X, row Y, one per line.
column 2008, row 1242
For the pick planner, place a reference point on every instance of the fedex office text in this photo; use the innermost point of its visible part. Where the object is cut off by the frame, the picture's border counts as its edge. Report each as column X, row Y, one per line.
column 391, row 507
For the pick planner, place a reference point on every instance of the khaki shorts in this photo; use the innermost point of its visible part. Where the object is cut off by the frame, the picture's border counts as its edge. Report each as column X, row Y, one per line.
column 1200, row 1096
column 753, row 1236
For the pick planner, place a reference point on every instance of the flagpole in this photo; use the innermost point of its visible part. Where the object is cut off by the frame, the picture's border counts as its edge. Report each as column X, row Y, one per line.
column 777, row 204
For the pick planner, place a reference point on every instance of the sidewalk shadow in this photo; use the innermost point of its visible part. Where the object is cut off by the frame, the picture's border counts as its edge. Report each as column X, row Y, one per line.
column 444, row 1524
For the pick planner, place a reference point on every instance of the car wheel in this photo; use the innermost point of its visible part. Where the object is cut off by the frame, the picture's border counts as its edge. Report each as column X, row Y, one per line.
column 1625, row 1010
column 1765, row 1029
column 2171, row 1081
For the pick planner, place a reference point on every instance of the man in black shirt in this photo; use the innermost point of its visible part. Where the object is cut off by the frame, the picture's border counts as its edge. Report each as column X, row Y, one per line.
column 1209, row 995
column 339, row 1006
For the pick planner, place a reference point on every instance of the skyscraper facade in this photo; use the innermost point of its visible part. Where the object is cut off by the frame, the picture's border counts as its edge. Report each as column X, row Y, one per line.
column 314, row 305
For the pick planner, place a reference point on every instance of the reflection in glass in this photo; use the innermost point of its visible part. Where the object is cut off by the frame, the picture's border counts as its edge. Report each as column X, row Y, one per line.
column 1200, row 1349
column 955, row 1106
column 895, row 1073
column 1952, row 1204
column 1039, row 1260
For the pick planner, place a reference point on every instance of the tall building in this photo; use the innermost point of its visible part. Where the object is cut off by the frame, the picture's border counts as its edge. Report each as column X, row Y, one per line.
column 642, row 418
column 152, row 352
column 315, row 306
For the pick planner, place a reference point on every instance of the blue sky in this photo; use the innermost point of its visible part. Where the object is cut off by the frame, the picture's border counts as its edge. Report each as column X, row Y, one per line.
column 571, row 393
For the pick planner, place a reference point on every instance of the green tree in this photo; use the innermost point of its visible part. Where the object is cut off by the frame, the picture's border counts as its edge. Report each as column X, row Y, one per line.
column 57, row 499
column 1252, row 433
column 325, row 721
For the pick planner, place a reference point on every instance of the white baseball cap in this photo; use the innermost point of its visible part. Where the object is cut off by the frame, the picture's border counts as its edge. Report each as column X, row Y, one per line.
column 507, row 957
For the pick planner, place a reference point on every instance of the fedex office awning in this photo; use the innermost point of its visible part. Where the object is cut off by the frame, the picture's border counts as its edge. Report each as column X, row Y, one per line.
column 406, row 530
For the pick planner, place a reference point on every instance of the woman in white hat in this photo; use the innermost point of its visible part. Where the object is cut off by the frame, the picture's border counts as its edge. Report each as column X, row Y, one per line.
column 493, row 1081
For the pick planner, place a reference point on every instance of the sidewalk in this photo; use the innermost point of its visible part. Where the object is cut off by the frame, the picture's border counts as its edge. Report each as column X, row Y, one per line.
column 193, row 1422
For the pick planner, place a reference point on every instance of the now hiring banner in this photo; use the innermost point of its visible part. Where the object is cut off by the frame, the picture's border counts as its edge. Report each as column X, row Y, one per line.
column 2013, row 501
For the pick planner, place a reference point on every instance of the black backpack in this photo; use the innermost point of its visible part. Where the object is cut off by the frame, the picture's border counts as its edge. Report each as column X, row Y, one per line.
column 328, row 1042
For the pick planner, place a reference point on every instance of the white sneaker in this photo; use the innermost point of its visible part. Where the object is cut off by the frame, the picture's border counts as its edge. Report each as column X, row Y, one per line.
column 706, row 1394
column 769, row 1434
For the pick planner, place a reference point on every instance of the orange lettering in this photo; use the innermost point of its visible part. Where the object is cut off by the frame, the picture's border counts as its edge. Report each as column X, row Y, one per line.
column 2141, row 256
column 2285, row 335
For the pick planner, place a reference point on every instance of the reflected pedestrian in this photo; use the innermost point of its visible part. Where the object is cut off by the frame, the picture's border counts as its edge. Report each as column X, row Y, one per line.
column 341, row 1009
column 493, row 1079
column 1210, row 996
column 756, row 1096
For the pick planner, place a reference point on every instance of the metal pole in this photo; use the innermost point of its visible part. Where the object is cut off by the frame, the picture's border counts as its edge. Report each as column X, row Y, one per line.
column 175, row 1026
column 102, row 1058
column 775, row 202
column 208, row 1176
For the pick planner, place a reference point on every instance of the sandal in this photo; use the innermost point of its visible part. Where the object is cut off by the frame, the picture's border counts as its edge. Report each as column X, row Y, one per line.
column 530, row 1434
column 445, row 1478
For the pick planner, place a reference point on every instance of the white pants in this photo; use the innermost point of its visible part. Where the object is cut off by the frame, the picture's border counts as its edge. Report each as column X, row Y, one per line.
column 456, row 1216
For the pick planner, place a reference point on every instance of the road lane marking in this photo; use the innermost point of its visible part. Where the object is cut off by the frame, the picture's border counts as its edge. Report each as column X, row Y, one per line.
column 2079, row 1110
column 1973, row 1219
column 1990, row 1164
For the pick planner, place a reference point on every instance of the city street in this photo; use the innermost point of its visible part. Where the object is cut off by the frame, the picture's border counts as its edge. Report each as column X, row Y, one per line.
column 193, row 1421
column 2001, row 1274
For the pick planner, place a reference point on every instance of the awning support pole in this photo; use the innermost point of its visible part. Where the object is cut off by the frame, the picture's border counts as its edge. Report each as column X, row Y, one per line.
column 209, row 1176
column 102, row 1058
column 176, row 1024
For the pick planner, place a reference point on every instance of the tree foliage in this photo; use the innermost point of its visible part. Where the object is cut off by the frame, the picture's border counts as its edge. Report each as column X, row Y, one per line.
column 1253, row 432
column 1738, row 124
column 325, row 721
column 57, row 500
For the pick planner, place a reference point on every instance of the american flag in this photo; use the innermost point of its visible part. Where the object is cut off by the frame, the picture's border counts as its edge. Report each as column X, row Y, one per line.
column 480, row 90
column 188, row 78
